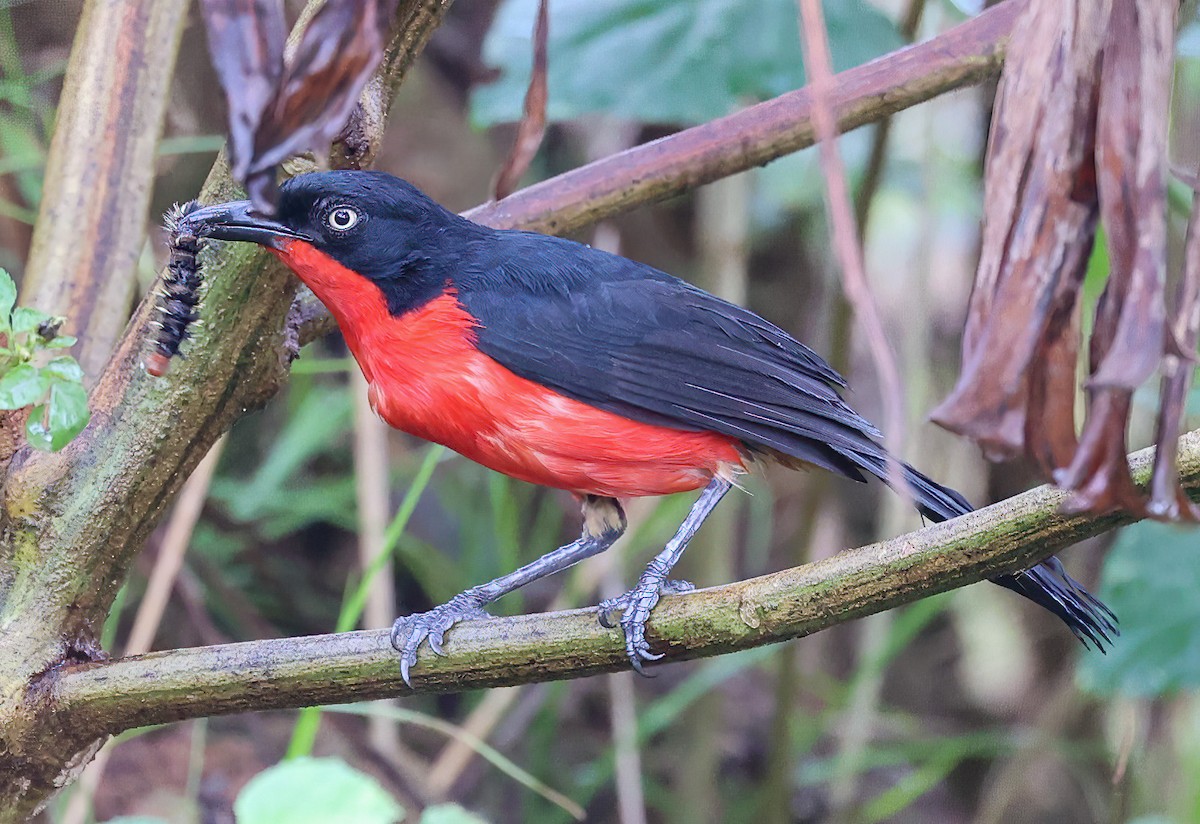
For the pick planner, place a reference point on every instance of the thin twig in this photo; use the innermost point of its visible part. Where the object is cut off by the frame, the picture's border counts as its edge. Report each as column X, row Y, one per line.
column 372, row 494
column 176, row 539
column 532, row 127
column 818, row 65
column 877, row 158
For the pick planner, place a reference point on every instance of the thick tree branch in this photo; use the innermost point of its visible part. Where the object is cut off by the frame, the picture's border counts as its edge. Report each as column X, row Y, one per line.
column 92, row 221
column 170, row 686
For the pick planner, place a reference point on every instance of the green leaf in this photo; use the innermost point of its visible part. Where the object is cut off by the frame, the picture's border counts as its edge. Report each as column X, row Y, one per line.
column 64, row 368
column 315, row 791
column 666, row 61
column 8, row 299
column 27, row 319
column 449, row 814
column 53, row 425
column 37, row 432
column 21, row 386
column 1150, row 580
column 60, row 342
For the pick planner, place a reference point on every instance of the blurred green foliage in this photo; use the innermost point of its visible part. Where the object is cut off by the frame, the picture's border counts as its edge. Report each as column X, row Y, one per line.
column 1151, row 580
column 52, row 389
column 315, row 791
column 666, row 61
column 282, row 493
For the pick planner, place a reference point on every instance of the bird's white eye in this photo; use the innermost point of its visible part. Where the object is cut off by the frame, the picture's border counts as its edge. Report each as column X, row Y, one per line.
column 342, row 219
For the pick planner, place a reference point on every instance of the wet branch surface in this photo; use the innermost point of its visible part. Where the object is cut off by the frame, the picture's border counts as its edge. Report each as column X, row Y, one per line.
column 188, row 683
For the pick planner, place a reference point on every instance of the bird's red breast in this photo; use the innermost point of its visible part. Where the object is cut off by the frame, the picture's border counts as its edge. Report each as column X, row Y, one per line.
column 428, row 378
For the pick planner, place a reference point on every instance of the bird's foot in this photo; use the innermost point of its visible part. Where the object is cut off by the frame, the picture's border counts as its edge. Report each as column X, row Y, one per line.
column 408, row 632
column 635, row 607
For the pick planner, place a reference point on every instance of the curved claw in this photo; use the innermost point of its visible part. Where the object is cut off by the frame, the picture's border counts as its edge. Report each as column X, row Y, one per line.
column 410, row 631
column 635, row 607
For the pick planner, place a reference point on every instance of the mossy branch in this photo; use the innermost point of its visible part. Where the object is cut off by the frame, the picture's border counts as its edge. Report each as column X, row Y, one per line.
column 294, row 672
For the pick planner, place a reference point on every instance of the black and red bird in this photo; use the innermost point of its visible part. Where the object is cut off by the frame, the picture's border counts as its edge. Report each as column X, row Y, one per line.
column 566, row 366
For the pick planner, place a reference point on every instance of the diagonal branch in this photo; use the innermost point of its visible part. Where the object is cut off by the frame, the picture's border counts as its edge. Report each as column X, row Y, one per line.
column 170, row 686
column 71, row 522
column 664, row 168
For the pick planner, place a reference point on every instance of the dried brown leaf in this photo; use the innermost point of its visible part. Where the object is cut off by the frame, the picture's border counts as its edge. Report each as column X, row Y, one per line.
column 1167, row 499
column 532, row 127
column 1126, row 343
column 245, row 42
column 1039, row 226
column 1050, row 384
column 280, row 108
column 1099, row 476
column 1130, row 145
column 320, row 85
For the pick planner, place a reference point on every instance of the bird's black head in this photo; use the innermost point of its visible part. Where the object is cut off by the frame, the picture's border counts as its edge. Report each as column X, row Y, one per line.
column 377, row 225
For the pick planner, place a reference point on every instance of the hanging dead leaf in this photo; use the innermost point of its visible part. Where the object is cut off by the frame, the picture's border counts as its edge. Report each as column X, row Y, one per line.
column 1050, row 420
column 1126, row 342
column 321, row 82
column 1167, row 499
column 1079, row 133
column 281, row 108
column 245, row 43
column 1038, row 232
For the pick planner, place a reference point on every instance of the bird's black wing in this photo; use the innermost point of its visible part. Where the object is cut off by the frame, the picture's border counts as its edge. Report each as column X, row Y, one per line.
column 632, row 340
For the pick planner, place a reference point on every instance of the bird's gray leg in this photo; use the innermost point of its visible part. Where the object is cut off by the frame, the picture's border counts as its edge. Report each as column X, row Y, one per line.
column 636, row 604
column 603, row 524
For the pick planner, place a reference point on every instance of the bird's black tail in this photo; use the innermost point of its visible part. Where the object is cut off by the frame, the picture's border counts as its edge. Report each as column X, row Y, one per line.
column 1048, row 585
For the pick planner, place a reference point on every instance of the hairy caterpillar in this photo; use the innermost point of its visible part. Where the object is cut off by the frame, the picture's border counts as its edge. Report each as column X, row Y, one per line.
column 180, row 291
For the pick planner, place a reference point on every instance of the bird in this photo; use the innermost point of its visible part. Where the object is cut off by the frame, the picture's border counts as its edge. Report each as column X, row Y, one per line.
column 570, row 367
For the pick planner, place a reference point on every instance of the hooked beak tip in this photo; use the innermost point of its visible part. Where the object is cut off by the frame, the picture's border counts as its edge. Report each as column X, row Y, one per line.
column 237, row 220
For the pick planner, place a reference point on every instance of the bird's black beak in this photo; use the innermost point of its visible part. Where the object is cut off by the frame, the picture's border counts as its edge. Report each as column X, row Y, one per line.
column 236, row 220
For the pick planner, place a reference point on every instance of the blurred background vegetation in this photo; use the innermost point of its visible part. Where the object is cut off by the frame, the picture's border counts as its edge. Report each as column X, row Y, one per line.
column 964, row 707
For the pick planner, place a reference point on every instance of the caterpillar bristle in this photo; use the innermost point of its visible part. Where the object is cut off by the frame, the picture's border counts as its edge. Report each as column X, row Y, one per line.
column 178, row 295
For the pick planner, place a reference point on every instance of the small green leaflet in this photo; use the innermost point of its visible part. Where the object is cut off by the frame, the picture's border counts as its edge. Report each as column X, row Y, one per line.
column 315, row 791
column 54, row 424
column 1150, row 581
column 54, row 392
